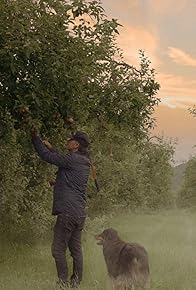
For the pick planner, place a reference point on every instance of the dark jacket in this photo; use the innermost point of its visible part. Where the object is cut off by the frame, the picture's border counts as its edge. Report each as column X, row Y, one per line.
column 71, row 181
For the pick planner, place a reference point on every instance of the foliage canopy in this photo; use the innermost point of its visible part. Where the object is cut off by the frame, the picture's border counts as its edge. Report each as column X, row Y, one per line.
column 60, row 59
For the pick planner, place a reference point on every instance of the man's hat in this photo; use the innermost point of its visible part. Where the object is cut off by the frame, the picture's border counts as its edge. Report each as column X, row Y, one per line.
column 82, row 138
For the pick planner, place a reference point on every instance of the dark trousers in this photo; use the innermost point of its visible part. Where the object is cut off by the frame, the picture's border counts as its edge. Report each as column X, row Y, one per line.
column 67, row 234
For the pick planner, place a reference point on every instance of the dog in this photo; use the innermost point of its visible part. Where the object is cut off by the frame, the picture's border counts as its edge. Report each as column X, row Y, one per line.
column 127, row 263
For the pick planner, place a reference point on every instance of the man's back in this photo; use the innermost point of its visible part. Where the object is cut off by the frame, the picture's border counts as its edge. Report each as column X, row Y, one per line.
column 70, row 186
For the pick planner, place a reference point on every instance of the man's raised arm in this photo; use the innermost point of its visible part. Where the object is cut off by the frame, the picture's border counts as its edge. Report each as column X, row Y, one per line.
column 48, row 155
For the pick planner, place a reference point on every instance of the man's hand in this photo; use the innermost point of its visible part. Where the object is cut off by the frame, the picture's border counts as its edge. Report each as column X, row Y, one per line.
column 34, row 131
column 47, row 144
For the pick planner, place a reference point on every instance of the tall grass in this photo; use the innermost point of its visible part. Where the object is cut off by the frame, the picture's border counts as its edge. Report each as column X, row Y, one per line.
column 169, row 237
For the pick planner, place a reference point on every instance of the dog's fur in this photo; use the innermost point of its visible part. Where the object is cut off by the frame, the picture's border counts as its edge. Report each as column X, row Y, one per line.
column 127, row 263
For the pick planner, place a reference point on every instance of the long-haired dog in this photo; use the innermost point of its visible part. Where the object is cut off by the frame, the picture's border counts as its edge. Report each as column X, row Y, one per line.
column 127, row 263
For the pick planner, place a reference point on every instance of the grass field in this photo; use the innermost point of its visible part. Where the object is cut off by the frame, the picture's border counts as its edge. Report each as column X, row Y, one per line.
column 169, row 237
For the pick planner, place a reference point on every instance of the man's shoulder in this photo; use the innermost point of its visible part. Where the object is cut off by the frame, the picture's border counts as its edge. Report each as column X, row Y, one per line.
column 80, row 158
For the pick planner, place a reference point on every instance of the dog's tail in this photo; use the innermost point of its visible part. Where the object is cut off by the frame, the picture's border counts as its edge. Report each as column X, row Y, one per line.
column 139, row 270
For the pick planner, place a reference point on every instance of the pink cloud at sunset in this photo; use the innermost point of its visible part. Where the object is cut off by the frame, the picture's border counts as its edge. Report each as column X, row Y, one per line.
column 134, row 38
column 165, row 30
column 181, row 57
column 177, row 86
column 181, row 128
column 164, row 6
column 131, row 39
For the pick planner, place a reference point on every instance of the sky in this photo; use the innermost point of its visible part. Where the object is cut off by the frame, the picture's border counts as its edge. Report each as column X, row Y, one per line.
column 165, row 30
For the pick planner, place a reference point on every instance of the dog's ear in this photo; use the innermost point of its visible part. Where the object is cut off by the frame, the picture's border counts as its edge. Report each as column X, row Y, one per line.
column 110, row 234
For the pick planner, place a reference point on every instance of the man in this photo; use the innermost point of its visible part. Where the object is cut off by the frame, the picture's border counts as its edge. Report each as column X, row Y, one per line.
column 68, row 202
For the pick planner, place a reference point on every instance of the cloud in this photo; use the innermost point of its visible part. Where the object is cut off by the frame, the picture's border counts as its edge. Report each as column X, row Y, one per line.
column 177, row 91
column 163, row 7
column 178, row 102
column 174, row 88
column 126, row 4
column 181, row 57
column 134, row 38
column 176, row 124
